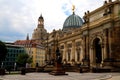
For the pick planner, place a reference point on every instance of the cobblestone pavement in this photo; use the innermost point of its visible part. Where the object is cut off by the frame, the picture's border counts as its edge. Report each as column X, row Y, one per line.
column 70, row 76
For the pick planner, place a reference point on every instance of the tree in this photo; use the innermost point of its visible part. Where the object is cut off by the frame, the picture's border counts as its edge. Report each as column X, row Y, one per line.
column 23, row 58
column 3, row 51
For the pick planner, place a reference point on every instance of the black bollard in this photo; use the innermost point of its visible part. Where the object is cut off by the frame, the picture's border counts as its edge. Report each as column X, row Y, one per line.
column 2, row 71
column 23, row 72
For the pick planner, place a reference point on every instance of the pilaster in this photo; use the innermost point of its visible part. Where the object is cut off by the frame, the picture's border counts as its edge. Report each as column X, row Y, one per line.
column 85, row 56
column 106, row 46
column 73, row 50
column 65, row 51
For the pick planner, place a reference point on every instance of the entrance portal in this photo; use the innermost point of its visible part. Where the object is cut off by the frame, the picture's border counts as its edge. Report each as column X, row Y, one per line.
column 97, row 50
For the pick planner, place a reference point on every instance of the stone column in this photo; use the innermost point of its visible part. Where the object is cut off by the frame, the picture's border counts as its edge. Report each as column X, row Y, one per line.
column 73, row 50
column 106, row 47
column 85, row 60
column 107, row 57
column 102, row 47
column 91, row 56
column 105, row 53
column 65, row 51
column 87, row 47
column 83, row 46
column 81, row 54
column 110, row 43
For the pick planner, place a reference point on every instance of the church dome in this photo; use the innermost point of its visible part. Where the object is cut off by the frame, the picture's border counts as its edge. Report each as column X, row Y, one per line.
column 73, row 21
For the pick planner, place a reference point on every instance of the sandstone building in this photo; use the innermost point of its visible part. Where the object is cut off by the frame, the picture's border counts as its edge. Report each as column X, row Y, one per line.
column 93, row 42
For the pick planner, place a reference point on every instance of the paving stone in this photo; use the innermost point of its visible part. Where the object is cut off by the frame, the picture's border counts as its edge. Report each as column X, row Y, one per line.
column 70, row 76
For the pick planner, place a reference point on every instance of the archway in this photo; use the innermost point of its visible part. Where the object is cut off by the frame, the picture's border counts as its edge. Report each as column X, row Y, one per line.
column 97, row 50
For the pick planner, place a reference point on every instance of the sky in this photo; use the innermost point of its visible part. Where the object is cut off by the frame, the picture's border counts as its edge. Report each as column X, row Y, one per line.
column 20, row 17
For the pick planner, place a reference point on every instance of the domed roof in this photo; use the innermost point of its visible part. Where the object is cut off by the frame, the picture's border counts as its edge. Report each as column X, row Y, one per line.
column 73, row 21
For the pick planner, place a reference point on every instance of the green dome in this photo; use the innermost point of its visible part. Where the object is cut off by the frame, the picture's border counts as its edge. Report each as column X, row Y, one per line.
column 73, row 21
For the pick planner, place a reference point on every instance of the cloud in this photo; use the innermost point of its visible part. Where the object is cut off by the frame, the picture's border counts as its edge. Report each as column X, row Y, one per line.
column 19, row 17
column 14, row 19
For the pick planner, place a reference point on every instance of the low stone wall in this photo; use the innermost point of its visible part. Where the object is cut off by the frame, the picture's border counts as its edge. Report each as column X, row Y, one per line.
column 30, row 70
column 100, row 70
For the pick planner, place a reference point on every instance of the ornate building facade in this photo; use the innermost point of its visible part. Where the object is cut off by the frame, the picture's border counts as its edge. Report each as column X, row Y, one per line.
column 92, row 42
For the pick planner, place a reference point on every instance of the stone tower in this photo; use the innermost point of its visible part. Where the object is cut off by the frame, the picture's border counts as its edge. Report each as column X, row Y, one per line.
column 39, row 33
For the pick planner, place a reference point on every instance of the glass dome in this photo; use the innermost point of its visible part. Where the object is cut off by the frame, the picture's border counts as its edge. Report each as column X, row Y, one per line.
column 73, row 21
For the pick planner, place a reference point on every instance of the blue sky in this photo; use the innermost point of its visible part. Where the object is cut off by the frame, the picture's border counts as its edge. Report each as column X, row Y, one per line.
column 19, row 17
